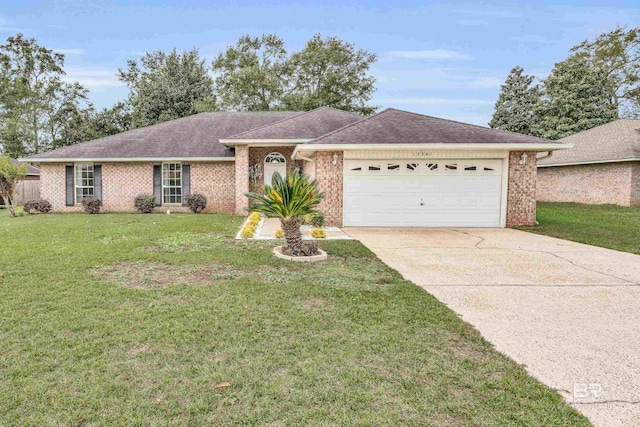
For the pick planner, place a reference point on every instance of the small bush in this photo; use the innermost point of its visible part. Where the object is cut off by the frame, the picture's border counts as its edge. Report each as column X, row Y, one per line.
column 254, row 218
column 91, row 205
column 318, row 233
column 248, row 231
column 20, row 211
column 196, row 202
column 33, row 206
column 44, row 206
column 279, row 234
column 30, row 207
column 144, row 203
column 317, row 220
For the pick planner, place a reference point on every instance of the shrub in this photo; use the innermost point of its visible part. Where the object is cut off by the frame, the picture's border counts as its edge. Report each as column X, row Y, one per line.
column 30, row 207
column 317, row 220
column 44, row 206
column 279, row 234
column 248, row 231
column 254, row 218
column 144, row 203
column 196, row 202
column 318, row 233
column 91, row 205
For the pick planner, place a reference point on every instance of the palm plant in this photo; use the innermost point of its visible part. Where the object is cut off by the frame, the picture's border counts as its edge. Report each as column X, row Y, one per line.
column 288, row 199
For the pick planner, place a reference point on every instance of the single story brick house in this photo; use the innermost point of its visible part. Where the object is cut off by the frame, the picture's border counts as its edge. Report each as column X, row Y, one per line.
column 603, row 167
column 394, row 168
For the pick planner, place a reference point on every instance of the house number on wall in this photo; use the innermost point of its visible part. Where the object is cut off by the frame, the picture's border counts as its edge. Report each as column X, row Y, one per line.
column 422, row 154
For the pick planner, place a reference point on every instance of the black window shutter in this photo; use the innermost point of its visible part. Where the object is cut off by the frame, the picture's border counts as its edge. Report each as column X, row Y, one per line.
column 69, row 185
column 157, row 184
column 97, row 182
column 186, row 183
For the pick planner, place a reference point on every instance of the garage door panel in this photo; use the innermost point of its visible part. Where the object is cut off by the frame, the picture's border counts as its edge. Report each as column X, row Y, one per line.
column 422, row 194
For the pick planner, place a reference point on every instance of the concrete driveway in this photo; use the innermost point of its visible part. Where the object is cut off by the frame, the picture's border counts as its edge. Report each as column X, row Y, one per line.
column 569, row 312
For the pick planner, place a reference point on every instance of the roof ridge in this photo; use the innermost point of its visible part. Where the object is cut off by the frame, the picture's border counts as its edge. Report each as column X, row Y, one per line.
column 302, row 113
column 269, row 124
column 326, row 135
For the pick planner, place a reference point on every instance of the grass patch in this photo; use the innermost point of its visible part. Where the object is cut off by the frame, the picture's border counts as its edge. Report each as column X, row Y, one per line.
column 608, row 226
column 92, row 336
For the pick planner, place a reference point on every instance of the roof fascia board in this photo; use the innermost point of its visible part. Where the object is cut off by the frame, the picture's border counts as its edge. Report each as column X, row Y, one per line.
column 590, row 162
column 126, row 159
column 440, row 147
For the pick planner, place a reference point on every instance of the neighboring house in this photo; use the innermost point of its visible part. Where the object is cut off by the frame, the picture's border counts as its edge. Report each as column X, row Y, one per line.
column 603, row 167
column 394, row 168
column 27, row 188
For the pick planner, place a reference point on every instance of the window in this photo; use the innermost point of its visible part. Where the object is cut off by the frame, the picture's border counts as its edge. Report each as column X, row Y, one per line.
column 470, row 168
column 172, row 183
column 412, row 166
column 393, row 166
column 451, row 167
column 432, row 166
column 488, row 169
column 357, row 169
column 374, row 168
column 84, row 181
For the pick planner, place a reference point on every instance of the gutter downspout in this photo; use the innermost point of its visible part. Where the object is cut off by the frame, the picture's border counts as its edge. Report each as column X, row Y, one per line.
column 300, row 156
column 546, row 156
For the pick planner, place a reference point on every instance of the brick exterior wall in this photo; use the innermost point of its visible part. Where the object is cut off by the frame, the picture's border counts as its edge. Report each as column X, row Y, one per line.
column 329, row 177
column 122, row 182
column 521, row 190
column 635, row 184
column 241, row 179
column 604, row 183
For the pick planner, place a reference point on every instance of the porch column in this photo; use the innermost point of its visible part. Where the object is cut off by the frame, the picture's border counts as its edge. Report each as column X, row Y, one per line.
column 242, row 178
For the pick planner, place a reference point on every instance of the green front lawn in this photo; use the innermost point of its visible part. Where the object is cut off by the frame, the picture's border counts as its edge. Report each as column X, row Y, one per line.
column 608, row 226
column 135, row 319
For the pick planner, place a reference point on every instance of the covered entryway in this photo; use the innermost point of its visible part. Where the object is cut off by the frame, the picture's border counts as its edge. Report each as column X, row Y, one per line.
column 423, row 193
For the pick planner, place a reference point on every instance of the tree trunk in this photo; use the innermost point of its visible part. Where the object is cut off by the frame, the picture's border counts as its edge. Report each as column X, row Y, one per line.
column 292, row 235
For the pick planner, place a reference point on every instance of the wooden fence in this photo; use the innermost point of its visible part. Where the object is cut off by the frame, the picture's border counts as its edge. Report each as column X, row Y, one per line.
column 27, row 190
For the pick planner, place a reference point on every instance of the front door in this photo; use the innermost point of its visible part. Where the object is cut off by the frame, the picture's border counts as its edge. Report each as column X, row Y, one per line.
column 274, row 162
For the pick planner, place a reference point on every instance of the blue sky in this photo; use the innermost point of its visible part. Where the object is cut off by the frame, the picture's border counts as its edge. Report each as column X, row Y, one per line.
column 445, row 59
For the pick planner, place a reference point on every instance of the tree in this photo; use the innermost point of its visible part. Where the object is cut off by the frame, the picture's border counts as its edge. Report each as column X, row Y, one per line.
column 515, row 105
column 35, row 100
column 576, row 97
column 10, row 174
column 167, row 86
column 289, row 199
column 330, row 72
column 110, row 121
column 617, row 55
column 253, row 74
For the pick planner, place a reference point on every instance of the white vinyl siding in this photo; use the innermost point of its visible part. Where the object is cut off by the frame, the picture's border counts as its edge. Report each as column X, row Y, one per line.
column 84, row 183
column 423, row 193
column 172, row 183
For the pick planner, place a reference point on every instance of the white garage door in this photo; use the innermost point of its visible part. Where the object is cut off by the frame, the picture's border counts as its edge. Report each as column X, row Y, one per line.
column 423, row 193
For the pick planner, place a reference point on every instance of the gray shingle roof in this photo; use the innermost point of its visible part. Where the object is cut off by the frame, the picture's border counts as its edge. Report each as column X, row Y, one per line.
column 31, row 170
column 309, row 125
column 618, row 140
column 393, row 126
column 190, row 137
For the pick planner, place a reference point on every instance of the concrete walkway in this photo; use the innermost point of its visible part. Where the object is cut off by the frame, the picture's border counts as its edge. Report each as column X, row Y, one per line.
column 569, row 312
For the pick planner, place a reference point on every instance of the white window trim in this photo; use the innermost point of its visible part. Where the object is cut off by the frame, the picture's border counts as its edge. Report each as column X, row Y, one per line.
column 171, row 186
column 75, row 180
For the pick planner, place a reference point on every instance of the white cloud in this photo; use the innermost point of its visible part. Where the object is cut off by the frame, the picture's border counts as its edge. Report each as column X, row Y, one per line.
column 66, row 51
column 531, row 39
column 93, row 78
column 433, row 101
column 434, row 54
